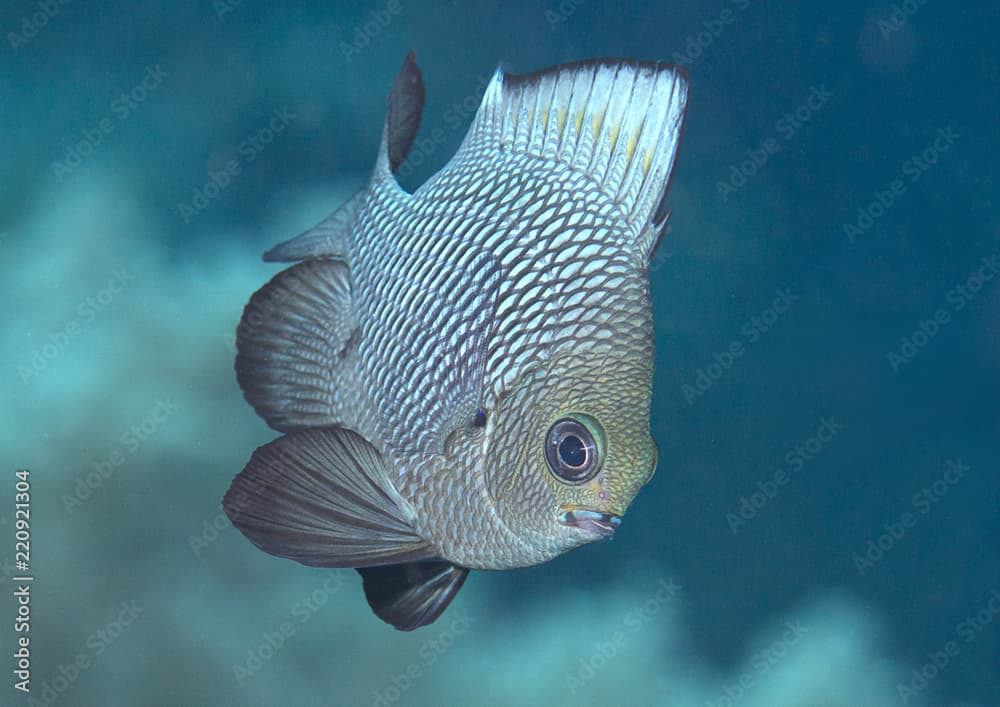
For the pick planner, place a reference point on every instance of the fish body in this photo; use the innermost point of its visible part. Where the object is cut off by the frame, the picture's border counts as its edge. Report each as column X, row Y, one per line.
column 463, row 374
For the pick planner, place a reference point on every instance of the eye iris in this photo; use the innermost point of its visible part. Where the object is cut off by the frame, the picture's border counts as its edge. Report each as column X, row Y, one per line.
column 572, row 451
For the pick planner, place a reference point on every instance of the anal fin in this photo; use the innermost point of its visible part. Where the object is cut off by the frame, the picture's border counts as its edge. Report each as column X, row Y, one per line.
column 412, row 594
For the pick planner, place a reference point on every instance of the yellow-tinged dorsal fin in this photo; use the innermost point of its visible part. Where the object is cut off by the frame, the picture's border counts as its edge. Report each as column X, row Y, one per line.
column 633, row 112
column 615, row 129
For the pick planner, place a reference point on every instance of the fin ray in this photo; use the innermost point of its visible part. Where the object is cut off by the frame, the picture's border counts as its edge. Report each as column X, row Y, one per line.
column 406, row 107
column 413, row 594
column 330, row 238
column 292, row 339
column 322, row 497
column 618, row 121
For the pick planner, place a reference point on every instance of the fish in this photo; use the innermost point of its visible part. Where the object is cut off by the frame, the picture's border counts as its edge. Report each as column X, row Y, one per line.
column 462, row 373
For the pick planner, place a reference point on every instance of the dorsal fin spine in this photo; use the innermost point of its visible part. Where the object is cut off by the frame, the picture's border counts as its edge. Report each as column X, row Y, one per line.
column 617, row 121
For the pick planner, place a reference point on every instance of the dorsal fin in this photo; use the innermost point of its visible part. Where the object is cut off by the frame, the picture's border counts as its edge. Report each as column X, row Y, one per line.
column 331, row 237
column 406, row 106
column 618, row 121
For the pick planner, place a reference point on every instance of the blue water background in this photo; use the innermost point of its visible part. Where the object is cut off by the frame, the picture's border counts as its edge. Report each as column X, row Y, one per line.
column 826, row 284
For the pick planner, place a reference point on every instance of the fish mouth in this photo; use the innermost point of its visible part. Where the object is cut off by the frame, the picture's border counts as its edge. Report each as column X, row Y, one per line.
column 595, row 522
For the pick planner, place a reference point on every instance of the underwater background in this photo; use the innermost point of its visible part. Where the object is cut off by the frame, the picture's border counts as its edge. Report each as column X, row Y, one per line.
column 823, row 529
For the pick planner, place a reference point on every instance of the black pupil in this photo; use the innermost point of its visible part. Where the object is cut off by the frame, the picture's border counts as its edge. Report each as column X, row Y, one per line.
column 572, row 451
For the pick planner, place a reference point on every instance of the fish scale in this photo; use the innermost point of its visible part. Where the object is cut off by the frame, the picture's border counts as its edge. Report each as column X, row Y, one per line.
column 516, row 335
column 464, row 373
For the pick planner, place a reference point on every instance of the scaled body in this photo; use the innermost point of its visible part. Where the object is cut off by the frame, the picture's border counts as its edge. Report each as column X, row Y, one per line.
column 464, row 373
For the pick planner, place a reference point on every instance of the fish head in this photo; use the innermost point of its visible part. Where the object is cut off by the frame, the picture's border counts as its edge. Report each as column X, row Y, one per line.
column 569, row 445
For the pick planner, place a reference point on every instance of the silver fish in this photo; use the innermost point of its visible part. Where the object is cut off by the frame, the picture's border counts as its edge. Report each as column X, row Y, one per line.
column 463, row 374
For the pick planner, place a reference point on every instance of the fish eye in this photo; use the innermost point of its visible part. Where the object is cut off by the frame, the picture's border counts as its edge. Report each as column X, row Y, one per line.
column 573, row 448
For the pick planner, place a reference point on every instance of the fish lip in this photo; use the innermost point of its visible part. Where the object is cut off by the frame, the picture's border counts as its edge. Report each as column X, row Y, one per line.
column 594, row 522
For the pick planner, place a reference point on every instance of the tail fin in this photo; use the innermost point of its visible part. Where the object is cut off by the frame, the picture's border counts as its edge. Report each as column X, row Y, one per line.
column 618, row 121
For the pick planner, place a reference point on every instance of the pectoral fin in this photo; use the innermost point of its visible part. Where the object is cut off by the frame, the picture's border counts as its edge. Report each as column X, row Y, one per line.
column 412, row 594
column 322, row 497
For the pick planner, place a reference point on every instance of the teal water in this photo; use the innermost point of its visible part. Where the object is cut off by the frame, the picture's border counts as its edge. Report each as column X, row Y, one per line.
column 823, row 526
